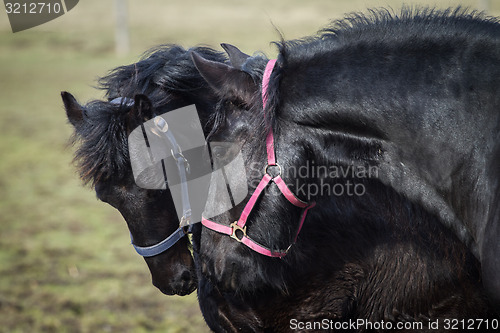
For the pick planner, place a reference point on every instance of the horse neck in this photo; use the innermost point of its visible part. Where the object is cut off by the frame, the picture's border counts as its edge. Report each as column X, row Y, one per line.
column 428, row 145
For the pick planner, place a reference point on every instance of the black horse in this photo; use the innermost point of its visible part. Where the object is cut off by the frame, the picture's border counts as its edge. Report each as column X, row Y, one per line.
column 170, row 81
column 267, row 308
column 412, row 96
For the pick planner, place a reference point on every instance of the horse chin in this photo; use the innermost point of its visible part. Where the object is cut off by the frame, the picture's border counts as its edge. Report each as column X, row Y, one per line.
column 179, row 288
column 176, row 280
column 179, row 292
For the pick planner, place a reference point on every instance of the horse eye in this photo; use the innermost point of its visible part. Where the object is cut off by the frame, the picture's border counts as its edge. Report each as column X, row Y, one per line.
column 102, row 190
column 101, row 194
column 229, row 104
column 234, row 104
column 219, row 151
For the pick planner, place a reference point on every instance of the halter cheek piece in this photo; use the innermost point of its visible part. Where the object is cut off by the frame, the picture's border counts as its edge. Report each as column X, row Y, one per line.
column 161, row 129
column 238, row 230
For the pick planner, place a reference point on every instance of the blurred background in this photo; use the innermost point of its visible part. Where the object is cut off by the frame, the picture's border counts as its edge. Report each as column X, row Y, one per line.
column 66, row 264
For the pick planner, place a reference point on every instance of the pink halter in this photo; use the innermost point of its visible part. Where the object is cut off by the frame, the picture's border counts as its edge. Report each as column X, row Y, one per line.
column 237, row 229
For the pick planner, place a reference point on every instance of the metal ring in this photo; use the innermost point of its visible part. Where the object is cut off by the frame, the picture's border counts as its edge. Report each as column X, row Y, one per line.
column 273, row 165
column 161, row 124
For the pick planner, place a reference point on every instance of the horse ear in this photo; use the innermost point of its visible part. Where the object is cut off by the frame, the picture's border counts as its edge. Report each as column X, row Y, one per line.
column 236, row 57
column 74, row 111
column 224, row 79
column 143, row 108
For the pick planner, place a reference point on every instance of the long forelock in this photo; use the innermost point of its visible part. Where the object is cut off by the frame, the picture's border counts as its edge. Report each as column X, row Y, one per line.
column 162, row 74
column 102, row 152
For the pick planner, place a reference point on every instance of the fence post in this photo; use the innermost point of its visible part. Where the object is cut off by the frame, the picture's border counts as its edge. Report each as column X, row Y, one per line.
column 122, row 44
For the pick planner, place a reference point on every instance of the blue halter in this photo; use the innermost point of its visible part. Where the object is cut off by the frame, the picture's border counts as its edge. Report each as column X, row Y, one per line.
column 183, row 167
column 164, row 245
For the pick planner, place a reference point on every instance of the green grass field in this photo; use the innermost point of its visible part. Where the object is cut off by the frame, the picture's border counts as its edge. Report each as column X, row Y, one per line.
column 66, row 264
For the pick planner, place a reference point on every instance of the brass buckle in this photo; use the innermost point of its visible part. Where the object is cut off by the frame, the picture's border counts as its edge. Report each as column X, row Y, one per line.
column 185, row 229
column 236, row 228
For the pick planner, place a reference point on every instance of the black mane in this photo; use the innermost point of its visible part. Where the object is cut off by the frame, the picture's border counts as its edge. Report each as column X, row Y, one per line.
column 385, row 26
column 380, row 29
column 381, row 26
column 163, row 74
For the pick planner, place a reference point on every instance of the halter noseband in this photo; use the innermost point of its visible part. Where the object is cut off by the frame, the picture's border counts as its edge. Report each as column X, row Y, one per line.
column 161, row 129
column 237, row 229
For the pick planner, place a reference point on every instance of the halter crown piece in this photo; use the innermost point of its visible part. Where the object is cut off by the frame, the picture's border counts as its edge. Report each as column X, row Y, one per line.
column 237, row 229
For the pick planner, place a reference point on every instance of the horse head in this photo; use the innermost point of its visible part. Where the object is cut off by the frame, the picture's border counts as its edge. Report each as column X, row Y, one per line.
column 243, row 124
column 103, row 159
column 164, row 80
column 286, row 162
